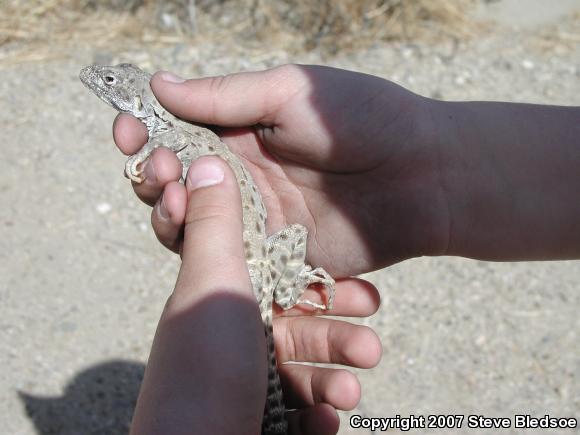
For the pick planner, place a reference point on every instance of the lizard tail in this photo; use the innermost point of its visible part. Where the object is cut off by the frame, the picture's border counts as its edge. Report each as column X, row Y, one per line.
column 274, row 422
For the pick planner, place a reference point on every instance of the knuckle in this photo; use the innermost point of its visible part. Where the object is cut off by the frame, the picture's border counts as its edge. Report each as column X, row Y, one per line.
column 218, row 86
column 288, row 69
column 197, row 213
column 290, row 342
column 283, row 84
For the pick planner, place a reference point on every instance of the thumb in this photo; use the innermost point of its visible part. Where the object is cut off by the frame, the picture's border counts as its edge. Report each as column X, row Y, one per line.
column 213, row 250
column 234, row 100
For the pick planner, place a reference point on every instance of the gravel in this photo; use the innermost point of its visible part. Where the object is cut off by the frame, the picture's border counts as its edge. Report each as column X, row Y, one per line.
column 83, row 280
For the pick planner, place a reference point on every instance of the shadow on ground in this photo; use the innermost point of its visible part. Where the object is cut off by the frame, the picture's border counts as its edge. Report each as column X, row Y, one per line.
column 99, row 400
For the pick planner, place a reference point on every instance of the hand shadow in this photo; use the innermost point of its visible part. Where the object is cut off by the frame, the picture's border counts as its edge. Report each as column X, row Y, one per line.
column 99, row 400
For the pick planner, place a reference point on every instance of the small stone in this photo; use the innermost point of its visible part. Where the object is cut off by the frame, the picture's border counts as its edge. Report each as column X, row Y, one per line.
column 527, row 64
column 104, row 208
column 67, row 326
column 480, row 340
column 407, row 53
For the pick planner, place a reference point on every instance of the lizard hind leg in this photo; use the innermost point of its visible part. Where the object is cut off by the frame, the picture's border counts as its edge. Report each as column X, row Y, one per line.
column 286, row 252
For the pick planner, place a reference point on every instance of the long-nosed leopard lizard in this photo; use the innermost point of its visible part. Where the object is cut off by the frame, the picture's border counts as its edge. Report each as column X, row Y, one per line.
column 276, row 264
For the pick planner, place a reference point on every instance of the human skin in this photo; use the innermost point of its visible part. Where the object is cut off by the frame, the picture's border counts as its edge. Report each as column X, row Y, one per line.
column 206, row 372
column 378, row 174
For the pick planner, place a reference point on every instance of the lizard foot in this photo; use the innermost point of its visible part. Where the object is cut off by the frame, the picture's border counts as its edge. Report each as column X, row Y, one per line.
column 134, row 169
column 287, row 251
column 317, row 276
column 288, row 294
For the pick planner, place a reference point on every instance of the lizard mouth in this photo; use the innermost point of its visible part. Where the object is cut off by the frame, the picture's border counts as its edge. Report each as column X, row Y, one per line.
column 90, row 77
column 85, row 76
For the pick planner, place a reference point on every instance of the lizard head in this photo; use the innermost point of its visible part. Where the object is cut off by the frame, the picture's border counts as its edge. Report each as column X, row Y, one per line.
column 122, row 86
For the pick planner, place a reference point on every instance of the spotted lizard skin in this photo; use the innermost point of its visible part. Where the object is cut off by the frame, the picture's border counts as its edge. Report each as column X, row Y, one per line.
column 276, row 264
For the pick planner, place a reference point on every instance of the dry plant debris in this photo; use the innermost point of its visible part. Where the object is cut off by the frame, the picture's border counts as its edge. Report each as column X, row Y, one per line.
column 35, row 30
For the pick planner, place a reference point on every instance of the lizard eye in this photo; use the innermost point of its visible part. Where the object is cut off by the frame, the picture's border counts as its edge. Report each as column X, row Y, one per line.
column 110, row 80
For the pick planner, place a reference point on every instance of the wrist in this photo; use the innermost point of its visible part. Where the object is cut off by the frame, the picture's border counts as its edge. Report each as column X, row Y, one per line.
column 412, row 199
column 433, row 133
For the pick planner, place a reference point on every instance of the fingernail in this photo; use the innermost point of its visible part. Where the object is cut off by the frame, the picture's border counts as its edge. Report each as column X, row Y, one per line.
column 150, row 172
column 171, row 78
column 163, row 209
column 206, row 173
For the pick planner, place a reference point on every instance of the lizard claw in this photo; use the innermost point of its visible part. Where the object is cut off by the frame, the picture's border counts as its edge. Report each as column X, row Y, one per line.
column 133, row 170
column 320, row 276
column 313, row 304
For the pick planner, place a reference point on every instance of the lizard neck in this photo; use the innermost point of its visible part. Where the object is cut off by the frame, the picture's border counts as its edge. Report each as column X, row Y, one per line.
column 155, row 117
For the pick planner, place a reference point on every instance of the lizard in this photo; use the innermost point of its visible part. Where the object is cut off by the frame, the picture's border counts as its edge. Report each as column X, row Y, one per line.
column 276, row 263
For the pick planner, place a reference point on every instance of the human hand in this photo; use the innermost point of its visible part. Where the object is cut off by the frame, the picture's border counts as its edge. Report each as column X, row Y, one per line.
column 337, row 151
column 207, row 369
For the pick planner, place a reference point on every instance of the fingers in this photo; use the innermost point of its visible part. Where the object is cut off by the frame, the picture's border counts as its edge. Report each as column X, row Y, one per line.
column 213, row 230
column 355, row 297
column 129, row 133
column 320, row 419
column 316, row 339
column 168, row 215
column 233, row 100
column 307, row 385
column 161, row 167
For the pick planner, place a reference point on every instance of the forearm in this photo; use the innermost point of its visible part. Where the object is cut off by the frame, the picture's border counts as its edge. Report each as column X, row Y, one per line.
column 200, row 366
column 511, row 176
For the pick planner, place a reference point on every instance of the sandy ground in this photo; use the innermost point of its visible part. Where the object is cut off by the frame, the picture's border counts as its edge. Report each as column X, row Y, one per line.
column 83, row 280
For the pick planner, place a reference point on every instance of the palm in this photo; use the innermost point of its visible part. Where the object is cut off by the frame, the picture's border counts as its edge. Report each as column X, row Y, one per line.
column 337, row 151
column 335, row 188
column 293, row 192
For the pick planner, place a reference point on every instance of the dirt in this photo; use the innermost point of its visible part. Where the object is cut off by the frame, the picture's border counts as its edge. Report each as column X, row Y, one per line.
column 83, row 280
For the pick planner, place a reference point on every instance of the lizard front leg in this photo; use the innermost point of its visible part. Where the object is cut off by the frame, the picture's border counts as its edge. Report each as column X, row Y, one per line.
column 134, row 164
column 134, row 167
column 286, row 251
